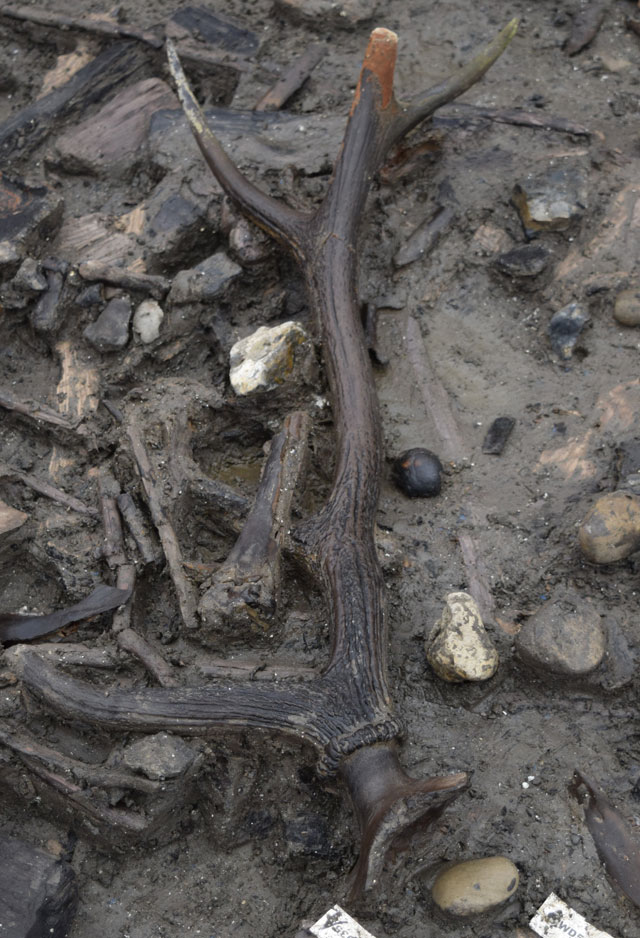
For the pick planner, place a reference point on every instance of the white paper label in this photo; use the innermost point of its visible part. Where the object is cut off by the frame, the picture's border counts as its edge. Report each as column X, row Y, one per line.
column 555, row 919
column 336, row 923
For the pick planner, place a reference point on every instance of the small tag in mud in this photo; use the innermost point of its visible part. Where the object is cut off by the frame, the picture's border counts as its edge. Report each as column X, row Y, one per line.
column 555, row 919
column 337, row 924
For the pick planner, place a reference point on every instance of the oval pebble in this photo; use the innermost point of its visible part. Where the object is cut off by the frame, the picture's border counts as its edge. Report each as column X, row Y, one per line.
column 611, row 528
column 627, row 308
column 565, row 636
column 475, row 886
column 417, row 473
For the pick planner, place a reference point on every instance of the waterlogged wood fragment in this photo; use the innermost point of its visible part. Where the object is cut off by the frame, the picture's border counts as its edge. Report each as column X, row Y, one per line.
column 586, row 24
column 555, row 919
column 23, row 628
column 618, row 848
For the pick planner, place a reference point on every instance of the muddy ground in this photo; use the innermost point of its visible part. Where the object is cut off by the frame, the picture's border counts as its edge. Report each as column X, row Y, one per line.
column 262, row 845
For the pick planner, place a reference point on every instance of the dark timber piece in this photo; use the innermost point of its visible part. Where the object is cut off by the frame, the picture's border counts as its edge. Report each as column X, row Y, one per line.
column 38, row 893
column 98, row 27
column 346, row 712
column 22, row 132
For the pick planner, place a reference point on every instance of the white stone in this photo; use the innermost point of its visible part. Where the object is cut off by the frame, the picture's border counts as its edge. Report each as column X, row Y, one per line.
column 147, row 320
column 266, row 359
column 459, row 648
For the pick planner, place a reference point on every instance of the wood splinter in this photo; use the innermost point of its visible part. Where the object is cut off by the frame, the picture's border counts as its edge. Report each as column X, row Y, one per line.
column 346, row 712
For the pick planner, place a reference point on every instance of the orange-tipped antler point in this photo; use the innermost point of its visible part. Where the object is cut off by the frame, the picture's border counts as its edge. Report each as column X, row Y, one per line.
column 380, row 60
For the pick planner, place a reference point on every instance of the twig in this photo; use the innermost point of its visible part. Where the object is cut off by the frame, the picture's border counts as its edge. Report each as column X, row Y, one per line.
column 125, row 580
column 152, row 284
column 42, row 17
column 39, row 413
column 153, row 661
column 168, row 539
column 136, row 524
column 533, row 119
column 113, row 546
column 292, row 80
column 50, row 491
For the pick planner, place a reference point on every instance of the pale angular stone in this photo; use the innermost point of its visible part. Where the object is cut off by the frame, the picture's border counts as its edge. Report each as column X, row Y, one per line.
column 459, row 648
column 475, row 886
column 147, row 320
column 10, row 520
column 267, row 358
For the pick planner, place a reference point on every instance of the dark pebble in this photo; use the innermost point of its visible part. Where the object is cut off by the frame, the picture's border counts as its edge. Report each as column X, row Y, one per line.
column 526, row 261
column 497, row 435
column 110, row 331
column 417, row 473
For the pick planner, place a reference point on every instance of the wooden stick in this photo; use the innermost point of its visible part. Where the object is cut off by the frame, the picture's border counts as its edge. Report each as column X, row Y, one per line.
column 168, row 539
column 50, row 491
column 39, row 413
column 292, row 80
column 41, row 17
column 153, row 661
column 152, row 284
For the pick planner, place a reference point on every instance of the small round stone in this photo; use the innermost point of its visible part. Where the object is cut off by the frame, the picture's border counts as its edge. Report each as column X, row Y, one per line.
column 417, row 473
column 565, row 636
column 627, row 308
column 611, row 529
column 475, row 886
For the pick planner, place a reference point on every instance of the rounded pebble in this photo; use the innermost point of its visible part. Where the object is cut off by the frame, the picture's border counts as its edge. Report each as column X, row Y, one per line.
column 627, row 308
column 417, row 473
column 611, row 529
column 565, row 636
column 459, row 648
column 475, row 886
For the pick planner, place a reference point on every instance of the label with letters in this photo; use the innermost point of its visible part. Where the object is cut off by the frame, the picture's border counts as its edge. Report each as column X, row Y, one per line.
column 555, row 919
column 336, row 923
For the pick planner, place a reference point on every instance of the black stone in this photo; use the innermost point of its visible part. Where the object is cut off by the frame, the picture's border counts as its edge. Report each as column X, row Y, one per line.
column 497, row 435
column 110, row 331
column 526, row 261
column 417, row 473
column 565, row 328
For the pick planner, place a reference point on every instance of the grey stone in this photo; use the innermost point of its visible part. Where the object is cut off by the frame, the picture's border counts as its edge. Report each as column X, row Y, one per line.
column 475, row 886
column 147, row 320
column 110, row 331
column 459, row 648
column 30, row 278
column 552, row 201
column 159, row 756
column 565, row 328
column 204, row 282
column 564, row 636
column 9, row 258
